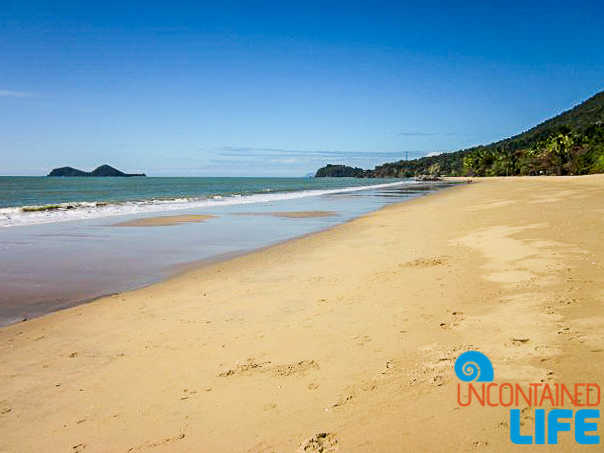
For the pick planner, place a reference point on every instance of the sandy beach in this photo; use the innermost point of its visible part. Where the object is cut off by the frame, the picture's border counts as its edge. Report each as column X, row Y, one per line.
column 344, row 340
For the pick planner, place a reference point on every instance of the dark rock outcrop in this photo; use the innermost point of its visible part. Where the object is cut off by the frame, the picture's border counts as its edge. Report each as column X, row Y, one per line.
column 68, row 171
column 340, row 171
column 103, row 171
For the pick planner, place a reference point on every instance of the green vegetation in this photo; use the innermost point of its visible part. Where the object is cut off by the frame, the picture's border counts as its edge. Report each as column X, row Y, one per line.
column 443, row 164
column 571, row 143
column 565, row 152
column 339, row 171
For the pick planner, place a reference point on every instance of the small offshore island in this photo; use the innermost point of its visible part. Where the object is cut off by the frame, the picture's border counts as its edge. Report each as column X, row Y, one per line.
column 102, row 171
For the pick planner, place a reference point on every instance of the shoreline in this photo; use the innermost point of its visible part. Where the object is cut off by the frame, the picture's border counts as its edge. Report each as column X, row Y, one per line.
column 59, row 294
column 54, row 211
column 350, row 331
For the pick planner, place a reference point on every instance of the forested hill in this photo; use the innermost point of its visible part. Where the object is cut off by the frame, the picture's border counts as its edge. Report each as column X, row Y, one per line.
column 578, row 119
column 340, row 171
column 569, row 143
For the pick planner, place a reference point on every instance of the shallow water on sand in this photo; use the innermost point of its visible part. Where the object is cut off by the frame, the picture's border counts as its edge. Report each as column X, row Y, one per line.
column 51, row 266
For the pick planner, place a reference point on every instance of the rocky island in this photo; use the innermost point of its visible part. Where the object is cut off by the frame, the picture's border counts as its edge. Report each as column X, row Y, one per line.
column 103, row 170
column 340, row 171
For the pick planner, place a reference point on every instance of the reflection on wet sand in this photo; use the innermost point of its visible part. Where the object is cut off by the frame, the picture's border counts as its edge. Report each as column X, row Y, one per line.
column 166, row 220
column 292, row 214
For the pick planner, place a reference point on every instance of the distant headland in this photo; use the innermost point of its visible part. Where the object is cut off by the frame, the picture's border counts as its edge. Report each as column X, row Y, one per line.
column 571, row 143
column 103, row 170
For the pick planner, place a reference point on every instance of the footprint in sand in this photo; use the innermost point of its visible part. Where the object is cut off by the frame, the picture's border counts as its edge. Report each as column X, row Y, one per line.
column 525, row 415
column 573, row 334
column 288, row 369
column 294, row 368
column 456, row 321
column 436, row 366
column 322, row 442
column 520, row 341
column 250, row 365
column 427, row 262
column 361, row 340
column 157, row 443
column 187, row 394
column 480, row 444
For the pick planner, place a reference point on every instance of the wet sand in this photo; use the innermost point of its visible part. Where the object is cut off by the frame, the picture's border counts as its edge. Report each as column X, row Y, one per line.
column 166, row 220
column 54, row 266
column 292, row 214
column 344, row 340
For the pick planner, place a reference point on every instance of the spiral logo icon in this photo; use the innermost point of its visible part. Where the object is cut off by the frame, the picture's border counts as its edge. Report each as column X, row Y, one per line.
column 474, row 366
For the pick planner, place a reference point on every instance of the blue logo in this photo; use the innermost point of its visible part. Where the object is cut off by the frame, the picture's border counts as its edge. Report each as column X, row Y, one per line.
column 474, row 366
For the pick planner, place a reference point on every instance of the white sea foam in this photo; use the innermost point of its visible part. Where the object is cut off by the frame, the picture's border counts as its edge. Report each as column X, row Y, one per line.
column 21, row 216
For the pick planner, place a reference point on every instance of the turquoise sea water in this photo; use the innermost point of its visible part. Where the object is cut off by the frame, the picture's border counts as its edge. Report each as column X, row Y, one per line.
column 60, row 257
column 33, row 191
column 32, row 200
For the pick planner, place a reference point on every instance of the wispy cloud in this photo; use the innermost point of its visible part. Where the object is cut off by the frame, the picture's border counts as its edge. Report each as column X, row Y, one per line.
column 288, row 155
column 16, row 94
column 246, row 161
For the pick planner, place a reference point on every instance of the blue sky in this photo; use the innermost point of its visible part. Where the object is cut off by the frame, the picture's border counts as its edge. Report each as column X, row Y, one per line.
column 241, row 88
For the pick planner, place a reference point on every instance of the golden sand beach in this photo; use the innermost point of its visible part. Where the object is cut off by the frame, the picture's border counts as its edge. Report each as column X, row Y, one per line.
column 344, row 340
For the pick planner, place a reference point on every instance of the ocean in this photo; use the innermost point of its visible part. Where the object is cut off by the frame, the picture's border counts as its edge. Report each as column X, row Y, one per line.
column 33, row 200
column 60, row 246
